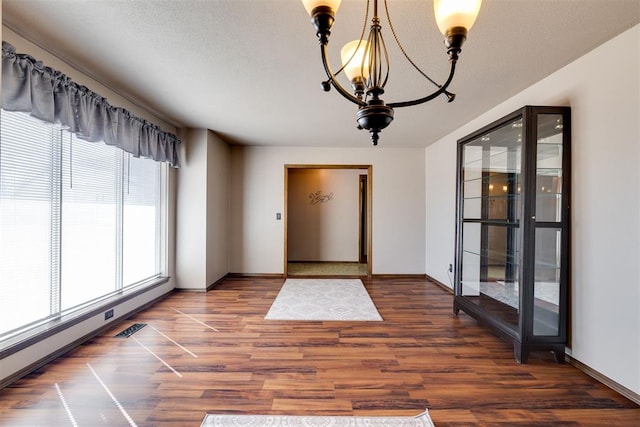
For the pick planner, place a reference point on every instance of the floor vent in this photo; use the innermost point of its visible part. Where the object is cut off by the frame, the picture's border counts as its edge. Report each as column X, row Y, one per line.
column 131, row 330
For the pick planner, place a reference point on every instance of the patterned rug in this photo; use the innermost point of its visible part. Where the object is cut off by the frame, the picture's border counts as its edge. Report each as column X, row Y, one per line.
column 323, row 299
column 216, row 420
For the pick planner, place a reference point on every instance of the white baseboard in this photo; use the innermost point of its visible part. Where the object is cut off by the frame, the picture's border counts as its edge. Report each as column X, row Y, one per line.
column 619, row 388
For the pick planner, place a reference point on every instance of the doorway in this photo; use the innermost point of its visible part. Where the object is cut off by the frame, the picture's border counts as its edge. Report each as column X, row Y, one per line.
column 327, row 213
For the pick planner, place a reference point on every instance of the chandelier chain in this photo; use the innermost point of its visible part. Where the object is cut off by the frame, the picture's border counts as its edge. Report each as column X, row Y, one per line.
column 395, row 36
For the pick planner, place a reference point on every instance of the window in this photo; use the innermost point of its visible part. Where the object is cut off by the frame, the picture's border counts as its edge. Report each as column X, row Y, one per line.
column 79, row 221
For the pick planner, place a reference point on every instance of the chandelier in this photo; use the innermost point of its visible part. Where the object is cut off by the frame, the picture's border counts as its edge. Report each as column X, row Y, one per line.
column 365, row 62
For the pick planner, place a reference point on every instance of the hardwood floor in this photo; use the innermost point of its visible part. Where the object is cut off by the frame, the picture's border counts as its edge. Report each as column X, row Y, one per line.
column 214, row 352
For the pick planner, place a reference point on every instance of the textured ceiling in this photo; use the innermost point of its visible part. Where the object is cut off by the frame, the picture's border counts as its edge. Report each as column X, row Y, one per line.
column 251, row 70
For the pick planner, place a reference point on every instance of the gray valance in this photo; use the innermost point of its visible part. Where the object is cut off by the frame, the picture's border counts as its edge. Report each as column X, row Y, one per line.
column 50, row 95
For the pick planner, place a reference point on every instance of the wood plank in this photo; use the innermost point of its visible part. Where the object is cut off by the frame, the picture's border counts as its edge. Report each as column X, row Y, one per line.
column 420, row 356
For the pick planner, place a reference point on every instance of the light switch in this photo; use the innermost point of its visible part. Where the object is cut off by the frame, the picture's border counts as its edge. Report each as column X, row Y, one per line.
column 278, row 216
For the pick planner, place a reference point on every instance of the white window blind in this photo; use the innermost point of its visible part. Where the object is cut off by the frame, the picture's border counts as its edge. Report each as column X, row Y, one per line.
column 142, row 220
column 25, row 220
column 79, row 221
column 91, row 182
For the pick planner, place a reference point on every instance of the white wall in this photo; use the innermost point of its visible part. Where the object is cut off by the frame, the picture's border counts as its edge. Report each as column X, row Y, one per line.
column 217, row 258
column 191, row 217
column 327, row 230
column 440, row 170
column 32, row 354
column 202, row 208
column 603, row 90
column 257, row 193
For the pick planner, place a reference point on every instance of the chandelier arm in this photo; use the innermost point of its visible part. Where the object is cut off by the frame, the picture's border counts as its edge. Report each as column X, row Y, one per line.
column 332, row 78
column 364, row 27
column 442, row 89
column 371, row 81
column 383, row 48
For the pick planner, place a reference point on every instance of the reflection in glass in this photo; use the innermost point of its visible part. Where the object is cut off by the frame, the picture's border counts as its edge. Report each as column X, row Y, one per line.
column 549, row 168
column 491, row 190
column 491, row 174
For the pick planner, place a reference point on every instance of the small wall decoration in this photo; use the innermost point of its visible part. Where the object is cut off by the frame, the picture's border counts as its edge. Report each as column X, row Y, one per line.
column 318, row 197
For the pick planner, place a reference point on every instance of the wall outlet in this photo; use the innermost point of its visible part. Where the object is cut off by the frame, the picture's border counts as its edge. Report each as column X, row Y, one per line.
column 108, row 314
column 450, row 268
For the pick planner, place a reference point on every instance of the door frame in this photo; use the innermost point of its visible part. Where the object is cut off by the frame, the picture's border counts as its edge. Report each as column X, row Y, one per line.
column 369, row 208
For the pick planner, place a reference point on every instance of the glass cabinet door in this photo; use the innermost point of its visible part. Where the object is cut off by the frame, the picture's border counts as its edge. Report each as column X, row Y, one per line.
column 491, row 209
column 548, row 225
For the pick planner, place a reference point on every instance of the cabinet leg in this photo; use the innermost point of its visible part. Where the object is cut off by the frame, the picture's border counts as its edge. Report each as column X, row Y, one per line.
column 558, row 354
column 456, row 309
column 521, row 353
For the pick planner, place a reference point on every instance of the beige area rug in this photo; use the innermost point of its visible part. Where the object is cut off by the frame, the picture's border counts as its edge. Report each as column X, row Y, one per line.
column 216, row 420
column 323, row 299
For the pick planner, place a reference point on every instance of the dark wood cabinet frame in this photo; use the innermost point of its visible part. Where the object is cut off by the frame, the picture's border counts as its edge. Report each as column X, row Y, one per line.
column 519, row 328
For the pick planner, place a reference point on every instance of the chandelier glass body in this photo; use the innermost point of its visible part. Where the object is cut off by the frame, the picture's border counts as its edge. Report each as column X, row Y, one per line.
column 365, row 62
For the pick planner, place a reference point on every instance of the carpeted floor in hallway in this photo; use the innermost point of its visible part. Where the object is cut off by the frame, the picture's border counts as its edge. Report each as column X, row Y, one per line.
column 326, row 269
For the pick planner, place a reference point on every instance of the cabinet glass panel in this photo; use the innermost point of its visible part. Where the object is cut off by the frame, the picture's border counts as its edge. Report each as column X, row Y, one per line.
column 471, row 259
column 546, row 291
column 471, row 245
column 490, row 268
column 549, row 168
column 503, row 196
column 491, row 174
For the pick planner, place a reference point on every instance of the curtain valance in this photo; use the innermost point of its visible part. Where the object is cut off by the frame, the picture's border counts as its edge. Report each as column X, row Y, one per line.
column 49, row 95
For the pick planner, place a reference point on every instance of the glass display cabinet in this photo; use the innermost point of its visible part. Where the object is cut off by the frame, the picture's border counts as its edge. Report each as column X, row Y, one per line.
column 512, row 229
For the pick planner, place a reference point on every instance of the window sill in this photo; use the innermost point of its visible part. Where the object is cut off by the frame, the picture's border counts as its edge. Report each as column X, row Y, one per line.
column 32, row 336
